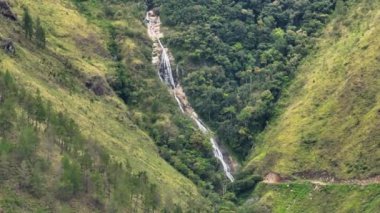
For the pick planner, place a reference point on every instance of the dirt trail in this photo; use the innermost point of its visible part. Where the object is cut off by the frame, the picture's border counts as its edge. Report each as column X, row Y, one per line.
column 332, row 181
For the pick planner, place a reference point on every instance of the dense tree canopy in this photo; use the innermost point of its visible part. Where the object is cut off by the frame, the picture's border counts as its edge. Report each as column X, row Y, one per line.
column 237, row 55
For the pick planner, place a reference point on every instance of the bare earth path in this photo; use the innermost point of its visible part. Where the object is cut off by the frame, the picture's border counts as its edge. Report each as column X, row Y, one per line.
column 360, row 182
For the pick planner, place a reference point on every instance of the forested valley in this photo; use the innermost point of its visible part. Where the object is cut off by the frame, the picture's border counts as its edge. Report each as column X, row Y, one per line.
column 235, row 57
column 231, row 106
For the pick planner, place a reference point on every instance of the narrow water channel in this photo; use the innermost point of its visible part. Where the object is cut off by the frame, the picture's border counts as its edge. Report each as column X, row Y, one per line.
column 162, row 61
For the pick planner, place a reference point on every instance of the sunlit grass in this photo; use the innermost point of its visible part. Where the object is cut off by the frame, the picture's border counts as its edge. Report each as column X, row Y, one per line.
column 329, row 116
column 306, row 197
column 105, row 119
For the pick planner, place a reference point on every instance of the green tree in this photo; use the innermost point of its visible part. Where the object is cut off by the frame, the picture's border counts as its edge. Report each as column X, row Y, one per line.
column 40, row 34
column 152, row 198
column 149, row 4
column 28, row 24
column 340, row 7
column 27, row 143
column 71, row 179
column 7, row 115
column 4, row 166
column 36, row 183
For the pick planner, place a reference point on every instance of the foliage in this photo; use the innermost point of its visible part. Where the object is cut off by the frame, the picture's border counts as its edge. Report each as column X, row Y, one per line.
column 244, row 186
column 40, row 35
column 306, row 197
column 327, row 123
column 77, row 52
column 236, row 57
column 27, row 24
column 78, row 165
column 28, row 27
column 178, row 140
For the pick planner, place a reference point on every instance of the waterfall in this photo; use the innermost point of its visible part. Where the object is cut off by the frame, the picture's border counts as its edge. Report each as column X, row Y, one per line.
column 216, row 149
column 166, row 67
column 179, row 104
column 165, row 73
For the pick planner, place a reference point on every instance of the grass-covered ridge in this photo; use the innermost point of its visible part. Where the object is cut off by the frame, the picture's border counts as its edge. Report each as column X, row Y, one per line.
column 76, row 51
column 328, row 119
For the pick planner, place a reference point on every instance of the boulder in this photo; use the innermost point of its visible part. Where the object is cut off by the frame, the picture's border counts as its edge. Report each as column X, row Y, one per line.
column 6, row 11
column 7, row 46
column 98, row 85
column 272, row 177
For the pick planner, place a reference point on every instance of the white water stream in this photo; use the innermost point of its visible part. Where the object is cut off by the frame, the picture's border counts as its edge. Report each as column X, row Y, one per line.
column 165, row 73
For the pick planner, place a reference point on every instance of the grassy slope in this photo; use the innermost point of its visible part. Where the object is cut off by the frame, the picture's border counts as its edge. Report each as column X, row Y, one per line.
column 103, row 118
column 329, row 118
column 305, row 197
column 329, row 121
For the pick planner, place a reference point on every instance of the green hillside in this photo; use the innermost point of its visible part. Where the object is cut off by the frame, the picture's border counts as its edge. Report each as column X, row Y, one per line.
column 327, row 125
column 288, row 87
column 77, row 52
column 328, row 122
column 236, row 56
column 306, row 197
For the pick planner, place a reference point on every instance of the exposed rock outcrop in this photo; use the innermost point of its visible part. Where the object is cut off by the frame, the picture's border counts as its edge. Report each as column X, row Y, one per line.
column 7, row 46
column 98, row 85
column 6, row 11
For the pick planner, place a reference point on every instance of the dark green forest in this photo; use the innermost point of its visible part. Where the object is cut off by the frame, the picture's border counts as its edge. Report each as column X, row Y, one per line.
column 235, row 57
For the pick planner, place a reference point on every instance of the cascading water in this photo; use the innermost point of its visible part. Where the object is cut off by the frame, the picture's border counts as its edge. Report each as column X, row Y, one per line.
column 165, row 73
column 217, row 153
column 166, row 67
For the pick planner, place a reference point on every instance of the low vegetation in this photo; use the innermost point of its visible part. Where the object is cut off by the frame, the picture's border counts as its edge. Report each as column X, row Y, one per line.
column 305, row 197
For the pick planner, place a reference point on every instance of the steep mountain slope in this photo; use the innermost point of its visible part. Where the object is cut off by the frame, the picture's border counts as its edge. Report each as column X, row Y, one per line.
column 235, row 56
column 64, row 73
column 325, row 140
column 86, row 125
column 329, row 118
